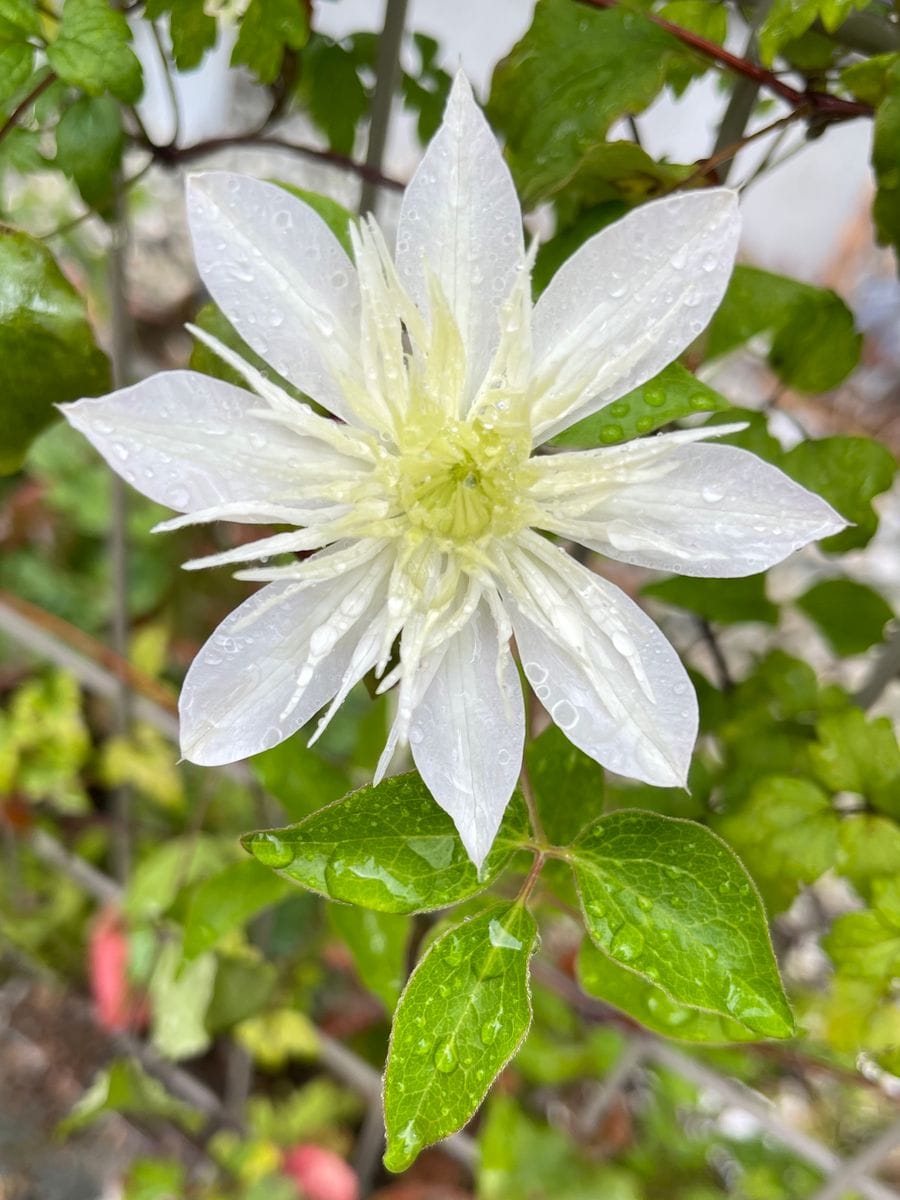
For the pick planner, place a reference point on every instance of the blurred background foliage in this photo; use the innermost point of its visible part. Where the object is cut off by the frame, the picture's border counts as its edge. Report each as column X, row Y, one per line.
column 235, row 1025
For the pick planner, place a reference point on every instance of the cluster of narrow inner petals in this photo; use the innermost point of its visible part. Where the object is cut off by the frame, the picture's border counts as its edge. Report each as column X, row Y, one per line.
column 415, row 507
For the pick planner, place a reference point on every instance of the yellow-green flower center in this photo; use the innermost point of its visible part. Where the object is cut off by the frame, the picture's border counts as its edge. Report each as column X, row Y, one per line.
column 462, row 480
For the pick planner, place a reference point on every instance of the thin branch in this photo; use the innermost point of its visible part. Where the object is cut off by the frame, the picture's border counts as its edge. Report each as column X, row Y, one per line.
column 723, row 671
column 707, row 166
column 850, row 1175
column 13, row 119
column 884, row 670
column 386, row 81
column 836, row 108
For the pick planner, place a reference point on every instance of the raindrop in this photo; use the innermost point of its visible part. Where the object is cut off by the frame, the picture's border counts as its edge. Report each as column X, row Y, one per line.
column 619, row 409
column 644, row 424
column 489, row 1030
column 711, row 494
column 623, row 643
column 271, row 851
column 445, row 1058
column 611, row 433
column 644, row 903
column 422, row 1046
column 627, row 943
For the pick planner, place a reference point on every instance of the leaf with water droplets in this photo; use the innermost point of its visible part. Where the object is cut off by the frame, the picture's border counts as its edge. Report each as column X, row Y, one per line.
column 669, row 901
column 669, row 396
column 463, row 1015
column 388, row 847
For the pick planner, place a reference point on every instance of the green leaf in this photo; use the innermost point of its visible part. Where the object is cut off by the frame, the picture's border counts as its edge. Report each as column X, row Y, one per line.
column 850, row 615
column 153, row 1179
column 19, row 17
column 672, row 394
column 193, row 31
column 89, row 143
column 868, row 79
column 561, row 87
column 710, row 21
column 667, row 899
column 728, row 601
column 787, row 20
column 600, row 976
column 16, row 66
column 124, row 1087
column 426, row 91
column 815, row 344
column 299, row 778
column 855, row 754
column 180, row 993
column 866, row 945
column 275, row 1038
column 568, row 785
column 227, row 901
column 388, row 847
column 333, row 92
column 462, row 1016
column 378, row 943
column 786, row 834
column 848, row 472
column 886, row 162
column 47, row 351
column 269, row 28
column 167, row 869
column 869, row 850
column 617, row 171
column 92, row 51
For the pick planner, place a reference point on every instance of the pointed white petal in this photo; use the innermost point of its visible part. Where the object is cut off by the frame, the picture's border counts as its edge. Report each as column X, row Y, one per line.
column 461, row 219
column 698, row 510
column 281, row 277
column 192, row 442
column 601, row 668
column 468, row 730
column 274, row 662
column 628, row 302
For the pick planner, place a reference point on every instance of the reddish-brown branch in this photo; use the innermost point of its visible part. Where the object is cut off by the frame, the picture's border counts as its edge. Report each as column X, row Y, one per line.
column 835, row 107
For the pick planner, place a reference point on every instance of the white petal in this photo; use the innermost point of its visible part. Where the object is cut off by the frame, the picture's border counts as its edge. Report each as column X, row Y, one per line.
column 601, row 668
column 191, row 442
column 628, row 302
column 468, row 731
column 281, row 277
column 700, row 510
column 460, row 219
column 274, row 662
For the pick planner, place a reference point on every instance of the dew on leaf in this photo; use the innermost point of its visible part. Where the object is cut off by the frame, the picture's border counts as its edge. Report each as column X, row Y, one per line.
column 271, row 851
column 445, row 1058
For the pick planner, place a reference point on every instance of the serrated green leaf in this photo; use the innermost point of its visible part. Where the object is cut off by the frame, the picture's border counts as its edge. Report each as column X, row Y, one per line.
column 854, row 754
column 848, row 472
column 268, row 28
column 333, row 92
column 124, row 1087
column 192, row 29
column 850, row 615
column 866, row 945
column 568, row 785
column 92, row 51
column 790, row 19
column 561, row 87
column 786, row 834
column 600, row 976
column 47, row 350
column 227, row 901
column 377, row 941
column 388, row 847
column 462, row 1016
column 724, row 600
column 668, row 900
column 672, row 394
column 89, row 144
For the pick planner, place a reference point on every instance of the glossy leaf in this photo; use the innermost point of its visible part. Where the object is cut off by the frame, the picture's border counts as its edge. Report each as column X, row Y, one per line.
column 377, row 941
column 641, row 999
column 388, row 847
column 227, row 901
column 725, row 600
column 568, row 785
column 674, row 393
column 669, row 900
column 47, row 350
column 850, row 615
column 460, row 1019
column 92, row 51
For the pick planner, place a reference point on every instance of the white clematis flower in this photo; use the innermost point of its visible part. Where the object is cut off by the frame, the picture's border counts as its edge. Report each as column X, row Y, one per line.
column 423, row 501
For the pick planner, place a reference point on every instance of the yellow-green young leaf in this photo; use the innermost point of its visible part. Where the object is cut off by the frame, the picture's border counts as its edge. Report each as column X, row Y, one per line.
column 789, row 19
column 388, row 847
column 47, row 350
column 672, row 394
column 573, row 73
column 377, row 941
column 667, row 899
column 831, row 604
column 869, row 850
column 649, row 1004
column 180, row 993
column 19, row 18
column 227, row 901
column 92, row 51
column 461, row 1018
column 124, row 1087
column 866, row 945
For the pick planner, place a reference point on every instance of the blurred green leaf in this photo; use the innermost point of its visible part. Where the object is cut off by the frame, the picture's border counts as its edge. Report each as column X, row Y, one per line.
column 561, row 87
column 45, row 744
column 167, row 869
column 669, row 900
column 868, row 79
column 377, row 941
column 710, row 21
column 92, row 51
column 124, row 1087
column 855, row 754
column 192, row 29
column 460, row 1019
column 269, row 28
column 568, row 785
column 19, row 17
column 728, row 601
column 243, row 987
column 672, row 394
column 227, row 901
column 886, row 162
column 275, row 1038
column 869, row 850
column 333, row 92
column 866, row 945
column 16, row 66
column 789, row 19
column 298, row 777
column 388, row 847
column 180, row 993
column 426, row 91
column 47, row 351
column 850, row 615
column 154, row 1179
